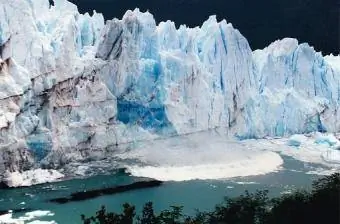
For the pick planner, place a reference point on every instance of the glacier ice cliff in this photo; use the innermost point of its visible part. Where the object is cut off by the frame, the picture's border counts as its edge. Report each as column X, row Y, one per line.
column 73, row 86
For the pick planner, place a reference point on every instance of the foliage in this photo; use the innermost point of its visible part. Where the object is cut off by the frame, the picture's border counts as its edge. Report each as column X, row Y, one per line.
column 248, row 208
column 321, row 205
column 103, row 217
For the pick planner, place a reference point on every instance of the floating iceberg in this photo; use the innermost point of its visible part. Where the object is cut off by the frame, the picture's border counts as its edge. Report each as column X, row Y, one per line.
column 296, row 140
column 326, row 139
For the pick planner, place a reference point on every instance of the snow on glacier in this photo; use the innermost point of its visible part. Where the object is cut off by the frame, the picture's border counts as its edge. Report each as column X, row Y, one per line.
column 72, row 84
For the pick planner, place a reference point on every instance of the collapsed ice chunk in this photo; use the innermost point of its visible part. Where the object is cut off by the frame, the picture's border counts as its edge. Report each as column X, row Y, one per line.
column 31, row 177
column 296, row 140
column 326, row 139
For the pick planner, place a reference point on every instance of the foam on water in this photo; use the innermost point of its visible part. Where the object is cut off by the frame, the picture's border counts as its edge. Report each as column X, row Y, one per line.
column 42, row 222
column 323, row 171
column 240, row 168
column 245, row 183
column 28, row 218
column 194, row 157
column 212, row 156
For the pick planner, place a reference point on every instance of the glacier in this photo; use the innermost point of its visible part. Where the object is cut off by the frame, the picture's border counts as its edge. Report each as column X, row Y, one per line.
column 74, row 86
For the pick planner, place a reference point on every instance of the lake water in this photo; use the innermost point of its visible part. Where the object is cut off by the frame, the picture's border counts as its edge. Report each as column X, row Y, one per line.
column 198, row 171
column 193, row 194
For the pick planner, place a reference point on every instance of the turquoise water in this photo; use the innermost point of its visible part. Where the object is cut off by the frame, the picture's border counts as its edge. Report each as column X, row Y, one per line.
column 203, row 195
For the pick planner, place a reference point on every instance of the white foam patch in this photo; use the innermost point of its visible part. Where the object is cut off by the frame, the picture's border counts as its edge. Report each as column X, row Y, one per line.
column 323, row 171
column 200, row 156
column 28, row 218
column 246, row 183
column 42, row 222
column 286, row 192
column 212, row 156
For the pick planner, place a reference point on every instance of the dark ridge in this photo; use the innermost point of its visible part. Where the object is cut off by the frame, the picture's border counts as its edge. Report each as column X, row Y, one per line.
column 316, row 22
column 81, row 196
column 3, row 185
column 122, row 171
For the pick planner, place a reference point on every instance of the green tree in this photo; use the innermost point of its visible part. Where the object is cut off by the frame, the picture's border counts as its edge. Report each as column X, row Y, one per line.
column 292, row 208
column 321, row 205
column 324, row 204
column 172, row 216
column 104, row 217
column 250, row 208
column 148, row 215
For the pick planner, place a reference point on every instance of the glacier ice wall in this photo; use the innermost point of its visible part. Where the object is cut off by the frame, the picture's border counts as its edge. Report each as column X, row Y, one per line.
column 73, row 86
column 299, row 90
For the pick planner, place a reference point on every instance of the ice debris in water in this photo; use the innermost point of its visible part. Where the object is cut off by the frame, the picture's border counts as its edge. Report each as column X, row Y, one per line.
column 296, row 140
column 326, row 139
column 31, row 177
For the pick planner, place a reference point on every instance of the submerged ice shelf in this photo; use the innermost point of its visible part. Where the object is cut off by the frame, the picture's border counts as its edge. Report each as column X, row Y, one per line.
column 74, row 86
